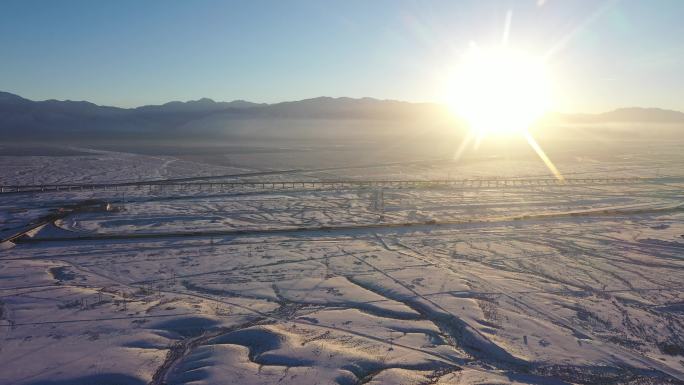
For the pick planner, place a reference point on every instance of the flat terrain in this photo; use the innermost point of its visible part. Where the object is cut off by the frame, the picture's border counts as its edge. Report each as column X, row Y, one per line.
column 425, row 284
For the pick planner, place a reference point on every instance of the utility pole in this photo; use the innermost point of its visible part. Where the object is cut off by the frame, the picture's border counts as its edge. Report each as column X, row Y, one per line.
column 379, row 202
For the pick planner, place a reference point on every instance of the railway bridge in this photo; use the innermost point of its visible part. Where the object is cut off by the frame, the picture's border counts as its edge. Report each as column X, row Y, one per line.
column 252, row 185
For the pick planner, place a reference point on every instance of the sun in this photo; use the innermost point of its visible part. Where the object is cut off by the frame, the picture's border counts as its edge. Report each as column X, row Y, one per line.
column 499, row 91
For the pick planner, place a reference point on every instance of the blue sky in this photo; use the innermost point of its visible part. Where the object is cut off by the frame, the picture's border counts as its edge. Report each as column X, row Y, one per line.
column 607, row 54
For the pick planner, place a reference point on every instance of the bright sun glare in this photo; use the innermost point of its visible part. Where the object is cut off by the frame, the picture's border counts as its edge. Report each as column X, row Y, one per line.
column 499, row 91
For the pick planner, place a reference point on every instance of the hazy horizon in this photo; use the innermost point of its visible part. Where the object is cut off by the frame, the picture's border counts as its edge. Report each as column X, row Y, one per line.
column 256, row 102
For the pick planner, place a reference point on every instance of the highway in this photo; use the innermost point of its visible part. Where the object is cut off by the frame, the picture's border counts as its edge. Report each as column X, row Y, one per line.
column 346, row 229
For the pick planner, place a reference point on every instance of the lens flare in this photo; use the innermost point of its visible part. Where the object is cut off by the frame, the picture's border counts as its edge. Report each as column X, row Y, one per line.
column 499, row 91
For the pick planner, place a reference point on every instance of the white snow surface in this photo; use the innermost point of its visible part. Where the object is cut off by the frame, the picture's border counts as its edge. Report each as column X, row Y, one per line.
column 442, row 285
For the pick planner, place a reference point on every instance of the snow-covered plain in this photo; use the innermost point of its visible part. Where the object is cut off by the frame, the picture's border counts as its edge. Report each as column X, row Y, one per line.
column 436, row 285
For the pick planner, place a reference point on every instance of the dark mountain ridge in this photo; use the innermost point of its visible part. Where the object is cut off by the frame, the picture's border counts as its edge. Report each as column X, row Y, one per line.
column 24, row 119
column 631, row 114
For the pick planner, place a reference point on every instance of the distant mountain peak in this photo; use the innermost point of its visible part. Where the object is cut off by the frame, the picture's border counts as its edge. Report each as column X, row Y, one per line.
column 9, row 97
column 641, row 114
column 200, row 105
column 627, row 115
column 203, row 101
column 178, row 102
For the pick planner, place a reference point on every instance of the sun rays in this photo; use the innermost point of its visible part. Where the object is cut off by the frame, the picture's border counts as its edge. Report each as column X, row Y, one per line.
column 500, row 92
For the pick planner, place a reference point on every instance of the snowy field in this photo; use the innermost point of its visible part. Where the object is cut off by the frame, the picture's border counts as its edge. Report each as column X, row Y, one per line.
column 562, row 284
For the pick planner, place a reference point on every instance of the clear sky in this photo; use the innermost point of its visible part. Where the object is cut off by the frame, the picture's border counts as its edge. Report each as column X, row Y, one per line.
column 603, row 54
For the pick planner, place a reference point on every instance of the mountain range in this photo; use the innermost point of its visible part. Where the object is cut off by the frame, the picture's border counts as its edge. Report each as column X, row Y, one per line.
column 24, row 119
